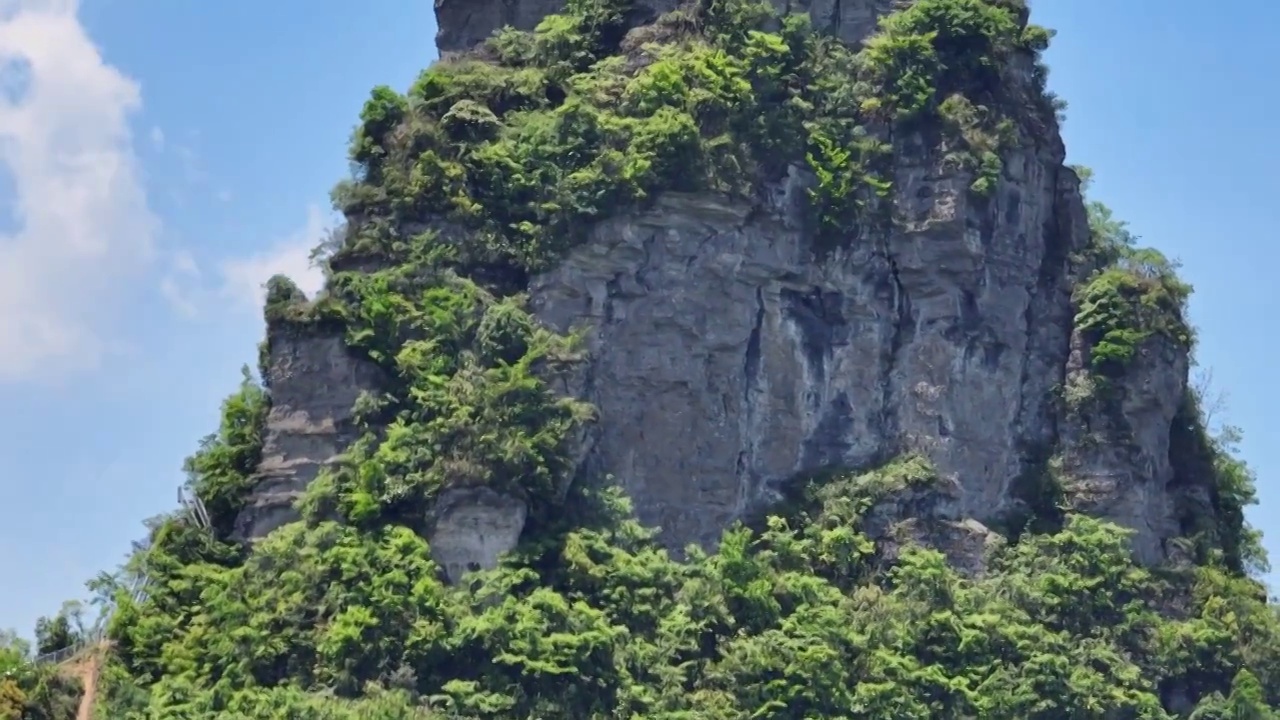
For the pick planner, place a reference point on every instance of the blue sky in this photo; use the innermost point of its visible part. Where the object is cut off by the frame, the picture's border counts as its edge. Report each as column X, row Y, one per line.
column 160, row 159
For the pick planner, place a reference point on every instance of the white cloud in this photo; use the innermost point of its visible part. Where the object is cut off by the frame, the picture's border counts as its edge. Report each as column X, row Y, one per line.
column 157, row 138
column 185, row 263
column 83, row 227
column 244, row 280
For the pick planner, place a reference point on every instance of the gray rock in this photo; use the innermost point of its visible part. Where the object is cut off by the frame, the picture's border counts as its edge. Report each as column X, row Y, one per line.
column 726, row 358
column 1116, row 455
column 930, row 516
column 471, row 527
column 314, row 381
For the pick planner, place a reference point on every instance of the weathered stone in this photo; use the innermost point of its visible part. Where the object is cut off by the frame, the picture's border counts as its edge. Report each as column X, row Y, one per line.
column 930, row 515
column 1116, row 451
column 852, row 22
column 471, row 527
column 967, row 544
column 314, row 381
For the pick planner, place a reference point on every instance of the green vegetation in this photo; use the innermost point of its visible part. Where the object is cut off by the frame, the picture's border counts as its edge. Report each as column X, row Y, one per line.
column 220, row 470
column 1211, row 459
column 486, row 171
column 465, row 405
column 561, row 127
column 799, row 620
column 1128, row 303
column 1133, row 295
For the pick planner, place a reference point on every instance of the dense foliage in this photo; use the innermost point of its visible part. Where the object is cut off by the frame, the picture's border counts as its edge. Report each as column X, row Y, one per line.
column 1133, row 301
column 488, row 169
column 798, row 620
column 559, row 126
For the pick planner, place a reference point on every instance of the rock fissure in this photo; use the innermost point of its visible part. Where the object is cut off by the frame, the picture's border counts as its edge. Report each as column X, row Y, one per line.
column 903, row 330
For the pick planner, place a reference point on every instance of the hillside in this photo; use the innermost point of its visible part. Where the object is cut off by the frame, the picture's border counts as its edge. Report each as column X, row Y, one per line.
column 713, row 360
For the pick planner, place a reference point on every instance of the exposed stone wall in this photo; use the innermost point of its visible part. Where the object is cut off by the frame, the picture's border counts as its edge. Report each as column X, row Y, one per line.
column 726, row 359
column 472, row 527
column 1116, row 447
column 314, row 381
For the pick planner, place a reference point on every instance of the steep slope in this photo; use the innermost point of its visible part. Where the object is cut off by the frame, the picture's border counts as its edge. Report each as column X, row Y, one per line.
column 753, row 265
column 36, row 691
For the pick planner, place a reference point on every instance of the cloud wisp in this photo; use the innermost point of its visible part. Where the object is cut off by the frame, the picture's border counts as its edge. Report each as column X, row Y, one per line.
column 236, row 286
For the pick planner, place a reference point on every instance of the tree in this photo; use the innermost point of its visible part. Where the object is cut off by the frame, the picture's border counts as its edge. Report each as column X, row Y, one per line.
column 62, row 630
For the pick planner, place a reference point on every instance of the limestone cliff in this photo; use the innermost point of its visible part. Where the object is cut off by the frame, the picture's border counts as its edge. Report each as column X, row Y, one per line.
column 726, row 356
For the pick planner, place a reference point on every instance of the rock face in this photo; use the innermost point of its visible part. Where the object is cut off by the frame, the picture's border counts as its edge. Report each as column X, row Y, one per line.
column 465, row 23
column 726, row 357
column 1117, row 463
column 314, row 382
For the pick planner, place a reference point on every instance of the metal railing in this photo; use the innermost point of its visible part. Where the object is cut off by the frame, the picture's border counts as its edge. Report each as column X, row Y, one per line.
column 61, row 654
column 195, row 507
column 137, row 592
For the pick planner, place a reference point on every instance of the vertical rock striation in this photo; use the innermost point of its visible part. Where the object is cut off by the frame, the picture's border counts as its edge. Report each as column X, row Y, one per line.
column 1116, row 450
column 727, row 360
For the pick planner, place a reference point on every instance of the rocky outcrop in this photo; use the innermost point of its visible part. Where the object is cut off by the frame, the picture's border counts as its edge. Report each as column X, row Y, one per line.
column 726, row 360
column 471, row 527
column 465, row 23
column 1116, row 446
column 727, row 355
column 314, row 381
